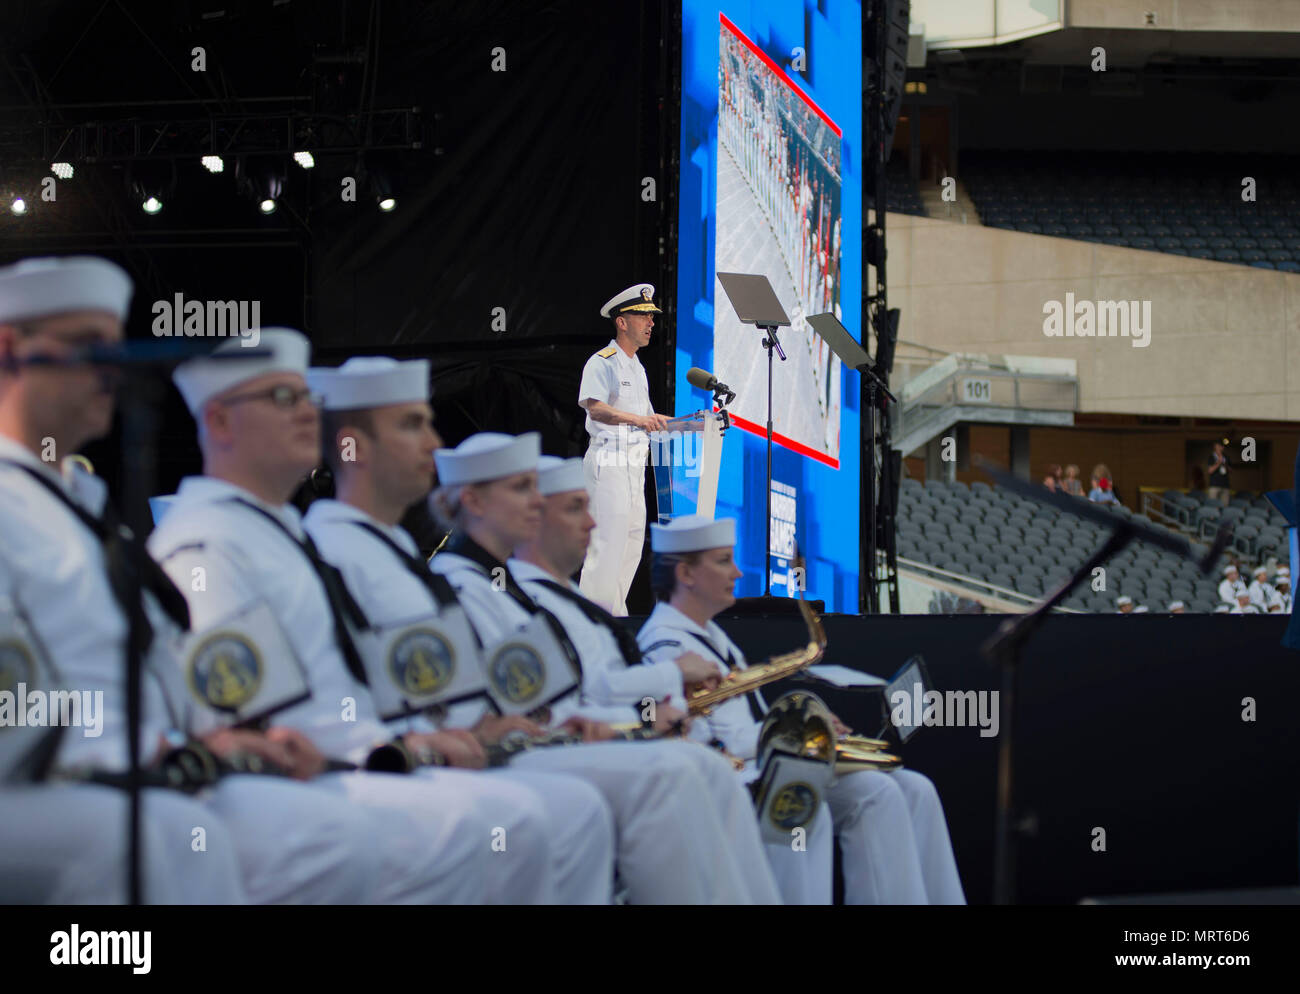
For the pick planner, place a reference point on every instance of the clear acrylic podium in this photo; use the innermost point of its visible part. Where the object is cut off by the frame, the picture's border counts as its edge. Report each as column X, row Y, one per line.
column 687, row 459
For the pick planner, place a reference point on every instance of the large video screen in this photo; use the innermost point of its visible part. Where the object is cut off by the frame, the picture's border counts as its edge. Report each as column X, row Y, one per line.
column 771, row 184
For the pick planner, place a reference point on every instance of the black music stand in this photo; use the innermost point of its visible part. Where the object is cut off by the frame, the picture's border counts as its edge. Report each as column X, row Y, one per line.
column 755, row 303
column 854, row 356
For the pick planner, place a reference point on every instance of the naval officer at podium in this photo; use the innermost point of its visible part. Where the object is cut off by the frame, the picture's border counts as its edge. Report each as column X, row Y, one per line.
column 616, row 397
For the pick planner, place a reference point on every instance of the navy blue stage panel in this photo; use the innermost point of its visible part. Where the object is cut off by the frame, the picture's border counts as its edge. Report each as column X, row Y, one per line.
column 1129, row 724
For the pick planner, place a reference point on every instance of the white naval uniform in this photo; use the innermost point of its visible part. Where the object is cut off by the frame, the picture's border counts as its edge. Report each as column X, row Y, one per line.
column 614, row 469
column 1261, row 594
column 291, row 843
column 437, row 825
column 603, row 668
column 1228, row 590
column 672, row 845
column 891, row 826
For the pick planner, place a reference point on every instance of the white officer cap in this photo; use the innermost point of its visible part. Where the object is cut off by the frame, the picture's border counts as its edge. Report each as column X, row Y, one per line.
column 693, row 533
column 639, row 299
column 37, row 288
column 559, row 476
column 488, row 455
column 371, row 381
column 159, row 506
column 199, row 380
column 1176, row 605
column 1124, row 599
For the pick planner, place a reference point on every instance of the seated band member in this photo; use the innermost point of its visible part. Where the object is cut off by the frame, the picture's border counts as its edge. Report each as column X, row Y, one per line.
column 259, row 430
column 267, row 839
column 612, row 676
column 891, row 826
column 672, row 845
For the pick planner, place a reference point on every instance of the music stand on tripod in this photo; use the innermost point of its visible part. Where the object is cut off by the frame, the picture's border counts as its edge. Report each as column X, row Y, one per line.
column 854, row 356
column 755, row 303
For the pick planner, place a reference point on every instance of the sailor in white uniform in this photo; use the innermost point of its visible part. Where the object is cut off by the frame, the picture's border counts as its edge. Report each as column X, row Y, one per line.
column 672, row 845
column 267, row 839
column 891, row 826
column 379, row 446
column 544, row 567
column 616, row 396
column 231, row 539
column 1231, row 585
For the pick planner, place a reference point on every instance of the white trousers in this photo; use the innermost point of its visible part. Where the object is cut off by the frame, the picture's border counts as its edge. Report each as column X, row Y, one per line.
column 672, row 846
column 805, row 868
column 617, row 491
column 67, row 844
column 461, row 837
column 894, row 840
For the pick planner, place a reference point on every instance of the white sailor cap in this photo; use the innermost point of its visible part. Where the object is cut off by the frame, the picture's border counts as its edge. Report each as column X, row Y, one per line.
column 559, row 476
column 1261, row 569
column 371, row 381
column 1242, row 593
column 1283, row 573
column 1222, row 609
column 37, row 288
column 693, row 533
column 1123, row 599
column 488, row 455
column 1140, row 609
column 1177, row 605
column 1229, row 569
column 159, row 506
column 199, row 380
column 638, row 299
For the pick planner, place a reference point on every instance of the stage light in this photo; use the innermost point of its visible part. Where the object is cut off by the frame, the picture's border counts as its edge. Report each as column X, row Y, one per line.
column 213, row 163
column 151, row 182
column 304, row 159
column 261, row 179
column 63, row 170
column 387, row 203
column 18, row 206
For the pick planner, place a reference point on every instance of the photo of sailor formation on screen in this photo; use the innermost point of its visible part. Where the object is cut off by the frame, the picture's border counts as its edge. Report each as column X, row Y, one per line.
column 779, row 214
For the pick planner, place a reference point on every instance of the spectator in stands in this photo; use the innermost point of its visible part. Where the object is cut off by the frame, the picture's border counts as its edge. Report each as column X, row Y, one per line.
column 1231, row 586
column 1052, row 481
column 1260, row 590
column 1282, row 584
column 1216, row 472
column 1244, row 606
column 1071, row 484
column 1125, row 604
column 1177, row 607
column 1101, row 493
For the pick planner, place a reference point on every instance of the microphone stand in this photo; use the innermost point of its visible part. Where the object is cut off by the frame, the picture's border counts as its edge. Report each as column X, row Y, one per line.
column 1005, row 648
column 770, row 343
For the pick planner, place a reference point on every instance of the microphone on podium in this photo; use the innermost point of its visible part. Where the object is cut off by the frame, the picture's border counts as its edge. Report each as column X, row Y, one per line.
column 705, row 380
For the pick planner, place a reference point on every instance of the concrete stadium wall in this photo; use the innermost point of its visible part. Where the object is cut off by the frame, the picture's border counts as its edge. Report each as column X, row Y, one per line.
column 1224, row 337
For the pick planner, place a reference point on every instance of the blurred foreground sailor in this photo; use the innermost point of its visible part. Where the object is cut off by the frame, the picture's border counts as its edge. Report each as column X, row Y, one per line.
column 616, row 396
column 891, row 826
column 672, row 845
column 77, row 579
column 259, row 430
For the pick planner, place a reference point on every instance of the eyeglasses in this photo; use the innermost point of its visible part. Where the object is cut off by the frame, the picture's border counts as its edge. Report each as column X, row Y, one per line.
column 285, row 397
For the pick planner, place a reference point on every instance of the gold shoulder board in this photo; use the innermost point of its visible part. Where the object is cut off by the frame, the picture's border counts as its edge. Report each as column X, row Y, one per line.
column 608, row 351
